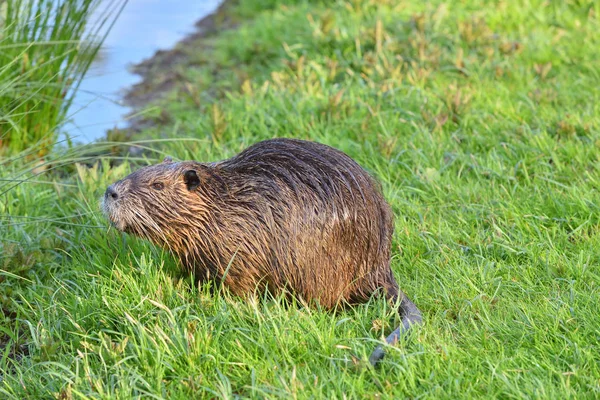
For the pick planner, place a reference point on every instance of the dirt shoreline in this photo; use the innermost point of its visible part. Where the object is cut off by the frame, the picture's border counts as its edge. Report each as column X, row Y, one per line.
column 159, row 72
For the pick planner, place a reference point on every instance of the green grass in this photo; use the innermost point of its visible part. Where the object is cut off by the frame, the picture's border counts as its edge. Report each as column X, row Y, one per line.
column 46, row 48
column 481, row 122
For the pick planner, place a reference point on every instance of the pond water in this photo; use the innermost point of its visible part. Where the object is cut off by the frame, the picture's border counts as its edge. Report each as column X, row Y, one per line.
column 143, row 27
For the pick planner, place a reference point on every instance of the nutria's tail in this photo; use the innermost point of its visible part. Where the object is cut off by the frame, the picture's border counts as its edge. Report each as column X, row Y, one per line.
column 410, row 315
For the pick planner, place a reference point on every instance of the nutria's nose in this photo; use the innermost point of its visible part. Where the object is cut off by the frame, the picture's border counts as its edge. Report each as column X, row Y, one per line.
column 112, row 193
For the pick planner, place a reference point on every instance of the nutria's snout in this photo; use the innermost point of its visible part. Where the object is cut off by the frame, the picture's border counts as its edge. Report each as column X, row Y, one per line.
column 111, row 204
column 111, row 193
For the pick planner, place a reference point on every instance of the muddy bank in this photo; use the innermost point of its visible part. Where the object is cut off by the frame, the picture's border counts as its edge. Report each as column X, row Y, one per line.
column 159, row 73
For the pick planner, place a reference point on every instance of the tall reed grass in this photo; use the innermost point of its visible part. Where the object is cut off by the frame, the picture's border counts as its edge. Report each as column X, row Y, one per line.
column 46, row 48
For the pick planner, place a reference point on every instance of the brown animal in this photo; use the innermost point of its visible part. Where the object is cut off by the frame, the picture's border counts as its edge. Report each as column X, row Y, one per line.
column 283, row 215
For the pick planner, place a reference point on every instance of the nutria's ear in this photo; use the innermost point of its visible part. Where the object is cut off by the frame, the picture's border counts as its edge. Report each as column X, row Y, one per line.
column 168, row 159
column 191, row 179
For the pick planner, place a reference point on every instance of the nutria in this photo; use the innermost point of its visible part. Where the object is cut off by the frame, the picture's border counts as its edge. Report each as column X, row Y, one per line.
column 284, row 215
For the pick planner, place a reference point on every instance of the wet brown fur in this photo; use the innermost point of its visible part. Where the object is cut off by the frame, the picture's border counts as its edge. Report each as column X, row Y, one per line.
column 283, row 214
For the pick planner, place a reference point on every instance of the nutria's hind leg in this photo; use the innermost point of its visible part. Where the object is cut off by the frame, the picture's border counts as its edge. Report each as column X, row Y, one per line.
column 410, row 315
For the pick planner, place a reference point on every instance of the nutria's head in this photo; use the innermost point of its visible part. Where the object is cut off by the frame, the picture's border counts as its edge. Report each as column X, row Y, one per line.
column 156, row 201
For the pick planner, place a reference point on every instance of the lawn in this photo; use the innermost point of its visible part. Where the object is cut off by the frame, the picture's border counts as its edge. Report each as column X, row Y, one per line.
column 480, row 119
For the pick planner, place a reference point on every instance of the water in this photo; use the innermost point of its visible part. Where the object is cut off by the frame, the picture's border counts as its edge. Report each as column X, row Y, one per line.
column 143, row 27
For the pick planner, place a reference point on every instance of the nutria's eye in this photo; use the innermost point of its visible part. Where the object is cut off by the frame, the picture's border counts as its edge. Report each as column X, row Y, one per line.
column 158, row 185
